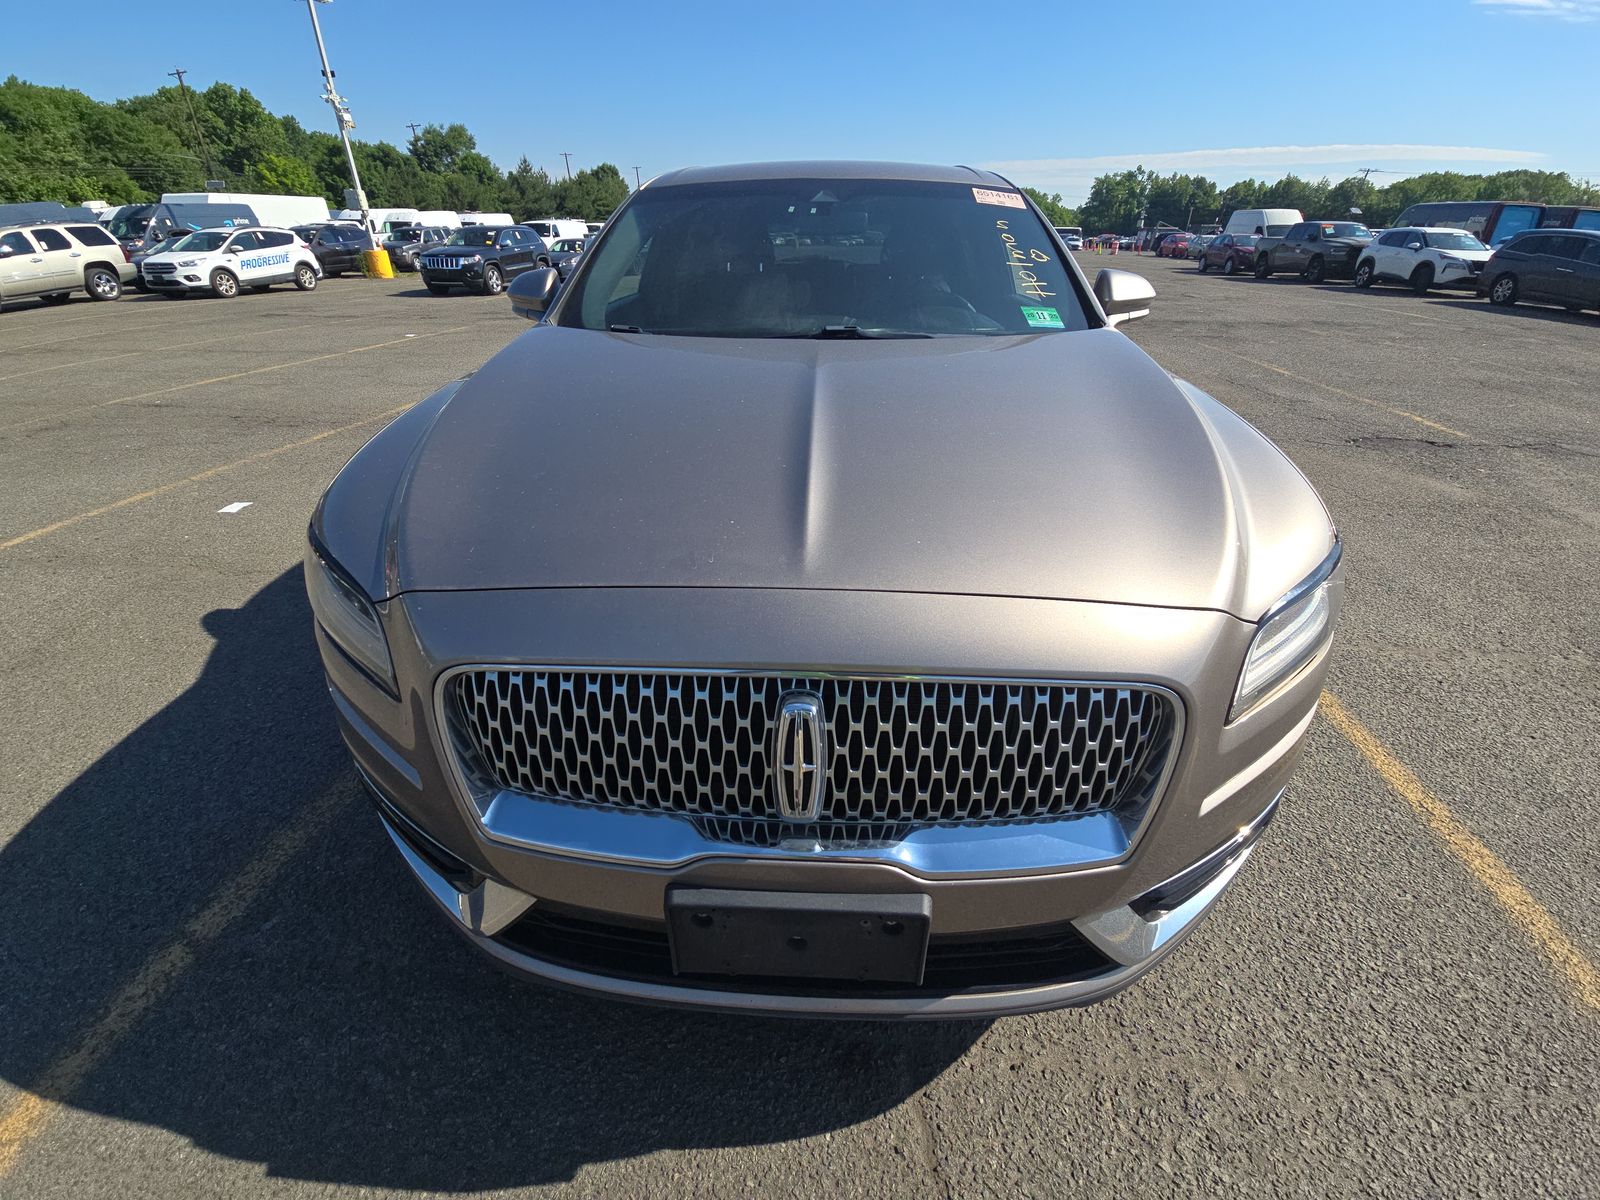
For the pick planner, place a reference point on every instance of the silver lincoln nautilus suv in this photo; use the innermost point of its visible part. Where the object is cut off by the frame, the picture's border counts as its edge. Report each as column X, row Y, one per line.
column 824, row 609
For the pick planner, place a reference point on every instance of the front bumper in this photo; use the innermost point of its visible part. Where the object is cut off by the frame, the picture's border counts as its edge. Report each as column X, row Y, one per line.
column 467, row 277
column 1071, row 883
column 1100, row 954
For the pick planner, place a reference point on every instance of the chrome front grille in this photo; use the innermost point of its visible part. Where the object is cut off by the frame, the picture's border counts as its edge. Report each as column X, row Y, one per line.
column 902, row 753
column 158, row 268
column 443, row 262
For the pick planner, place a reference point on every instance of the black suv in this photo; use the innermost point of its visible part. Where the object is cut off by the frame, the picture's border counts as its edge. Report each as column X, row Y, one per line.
column 1545, row 266
column 337, row 247
column 482, row 258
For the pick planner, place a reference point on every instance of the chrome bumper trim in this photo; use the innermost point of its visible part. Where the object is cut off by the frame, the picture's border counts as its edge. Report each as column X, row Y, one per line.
column 661, row 841
column 1125, row 936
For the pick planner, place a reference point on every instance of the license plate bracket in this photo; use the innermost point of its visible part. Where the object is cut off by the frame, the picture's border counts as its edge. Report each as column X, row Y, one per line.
column 799, row 935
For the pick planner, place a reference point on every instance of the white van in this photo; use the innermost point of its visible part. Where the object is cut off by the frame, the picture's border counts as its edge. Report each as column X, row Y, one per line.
column 1266, row 222
column 472, row 218
column 281, row 211
column 552, row 228
column 381, row 221
column 439, row 218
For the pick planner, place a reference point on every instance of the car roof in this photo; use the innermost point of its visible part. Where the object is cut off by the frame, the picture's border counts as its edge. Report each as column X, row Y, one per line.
column 830, row 169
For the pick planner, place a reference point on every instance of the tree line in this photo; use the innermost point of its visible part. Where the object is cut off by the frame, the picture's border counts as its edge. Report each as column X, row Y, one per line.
column 1125, row 201
column 59, row 144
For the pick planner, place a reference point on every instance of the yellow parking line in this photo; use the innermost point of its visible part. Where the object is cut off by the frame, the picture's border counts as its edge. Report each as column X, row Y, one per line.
column 1328, row 387
column 227, row 337
column 198, row 477
column 1510, row 892
column 183, row 387
column 29, row 1114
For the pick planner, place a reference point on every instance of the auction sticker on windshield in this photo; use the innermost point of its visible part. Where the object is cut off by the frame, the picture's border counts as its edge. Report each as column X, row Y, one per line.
column 1004, row 199
column 1043, row 318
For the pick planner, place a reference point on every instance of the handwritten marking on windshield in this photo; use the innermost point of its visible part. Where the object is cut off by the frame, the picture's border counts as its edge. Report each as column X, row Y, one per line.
column 1022, row 260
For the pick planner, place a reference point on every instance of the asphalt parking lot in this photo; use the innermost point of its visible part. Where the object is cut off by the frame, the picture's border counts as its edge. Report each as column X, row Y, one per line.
column 217, row 980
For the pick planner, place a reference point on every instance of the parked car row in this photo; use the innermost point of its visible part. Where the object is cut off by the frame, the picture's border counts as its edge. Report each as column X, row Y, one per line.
column 1559, row 266
column 52, row 260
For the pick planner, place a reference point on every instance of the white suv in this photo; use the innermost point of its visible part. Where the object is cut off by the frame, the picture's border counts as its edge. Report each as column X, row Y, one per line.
column 1423, row 258
column 53, row 260
column 222, row 261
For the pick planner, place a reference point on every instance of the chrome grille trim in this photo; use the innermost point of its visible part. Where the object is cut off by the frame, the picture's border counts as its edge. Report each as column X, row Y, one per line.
column 907, row 752
column 443, row 262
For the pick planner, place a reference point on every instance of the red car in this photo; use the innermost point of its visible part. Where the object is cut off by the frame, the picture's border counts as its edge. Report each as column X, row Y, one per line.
column 1230, row 253
column 1175, row 245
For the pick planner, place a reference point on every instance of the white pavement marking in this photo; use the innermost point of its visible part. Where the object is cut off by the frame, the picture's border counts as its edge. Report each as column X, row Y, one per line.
column 236, row 506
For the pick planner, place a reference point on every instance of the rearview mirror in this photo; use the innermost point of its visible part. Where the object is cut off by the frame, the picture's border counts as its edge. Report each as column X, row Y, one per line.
column 532, row 291
column 1123, row 295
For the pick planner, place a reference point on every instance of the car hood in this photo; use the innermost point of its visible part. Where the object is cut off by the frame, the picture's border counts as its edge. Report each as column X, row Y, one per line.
column 1065, row 466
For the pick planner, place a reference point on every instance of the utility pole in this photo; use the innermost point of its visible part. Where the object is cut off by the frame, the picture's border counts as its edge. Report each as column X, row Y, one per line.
column 413, row 126
column 568, row 158
column 205, row 150
column 341, row 113
column 636, row 184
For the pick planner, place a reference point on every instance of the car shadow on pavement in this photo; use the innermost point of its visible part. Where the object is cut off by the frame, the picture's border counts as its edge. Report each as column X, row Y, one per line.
column 335, row 1030
column 1533, row 312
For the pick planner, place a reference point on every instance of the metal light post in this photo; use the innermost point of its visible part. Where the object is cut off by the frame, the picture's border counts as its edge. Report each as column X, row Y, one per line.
column 341, row 113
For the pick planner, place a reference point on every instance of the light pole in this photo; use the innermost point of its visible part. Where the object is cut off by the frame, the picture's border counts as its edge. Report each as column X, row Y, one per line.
column 341, row 113
column 567, row 158
column 636, row 184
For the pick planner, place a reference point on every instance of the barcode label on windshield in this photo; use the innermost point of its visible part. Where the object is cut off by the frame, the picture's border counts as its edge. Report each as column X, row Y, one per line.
column 1004, row 199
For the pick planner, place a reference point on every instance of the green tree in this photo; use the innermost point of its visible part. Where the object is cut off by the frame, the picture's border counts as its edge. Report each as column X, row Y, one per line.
column 1053, row 206
column 281, row 175
column 529, row 192
column 1116, row 202
column 591, row 194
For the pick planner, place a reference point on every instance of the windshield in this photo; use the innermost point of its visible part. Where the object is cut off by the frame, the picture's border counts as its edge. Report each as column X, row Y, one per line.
column 129, row 225
column 825, row 258
column 405, row 235
column 1349, row 229
column 1454, row 241
column 567, row 245
column 201, row 239
column 471, row 235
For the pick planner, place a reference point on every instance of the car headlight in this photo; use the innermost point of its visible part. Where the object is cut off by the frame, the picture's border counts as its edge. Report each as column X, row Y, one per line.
column 473, row 258
column 1294, row 631
column 1450, row 260
column 189, row 262
column 348, row 618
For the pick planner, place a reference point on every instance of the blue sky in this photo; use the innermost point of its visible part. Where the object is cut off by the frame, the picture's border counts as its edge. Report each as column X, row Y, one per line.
column 1051, row 94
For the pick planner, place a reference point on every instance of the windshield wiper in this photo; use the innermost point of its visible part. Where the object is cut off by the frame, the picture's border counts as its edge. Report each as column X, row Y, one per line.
column 852, row 330
column 623, row 329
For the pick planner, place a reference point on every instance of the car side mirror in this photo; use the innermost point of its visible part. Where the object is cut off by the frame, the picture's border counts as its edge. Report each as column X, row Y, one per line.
column 4, row 250
column 1123, row 295
column 232, row 250
column 532, row 291
column 1413, row 245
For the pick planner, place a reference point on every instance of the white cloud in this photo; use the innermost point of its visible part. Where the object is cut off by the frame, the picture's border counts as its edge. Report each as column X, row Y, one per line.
column 1073, row 176
column 1559, row 10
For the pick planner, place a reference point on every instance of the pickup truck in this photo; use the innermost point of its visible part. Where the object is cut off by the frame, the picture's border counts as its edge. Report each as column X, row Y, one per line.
column 1313, row 250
